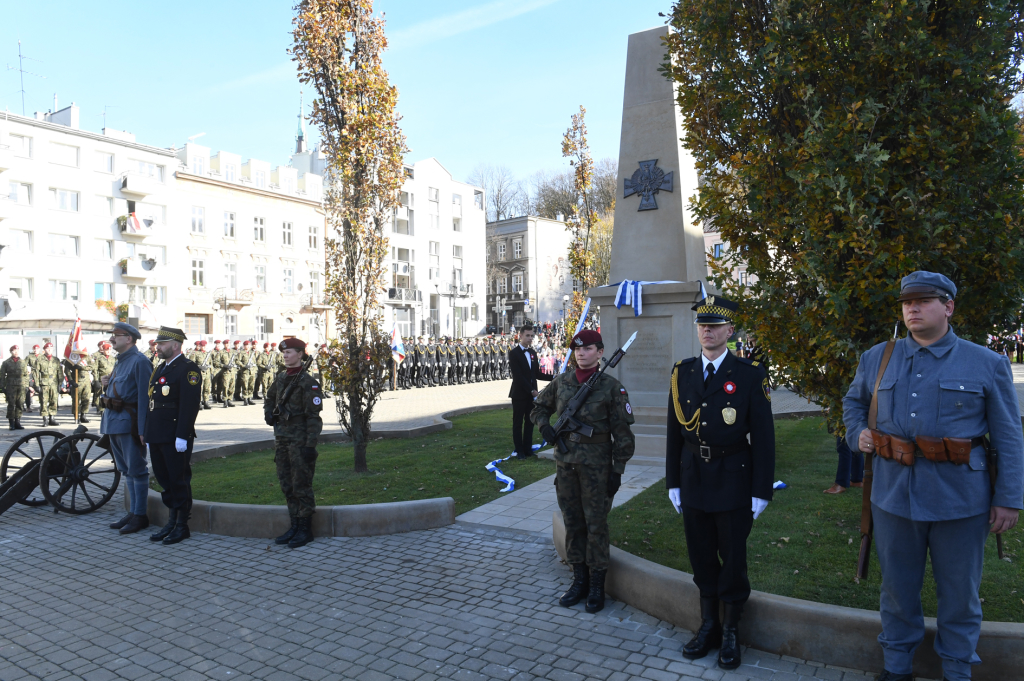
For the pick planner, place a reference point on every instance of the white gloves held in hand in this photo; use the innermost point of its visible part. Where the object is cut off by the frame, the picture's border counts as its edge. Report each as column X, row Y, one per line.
column 180, row 445
column 756, row 505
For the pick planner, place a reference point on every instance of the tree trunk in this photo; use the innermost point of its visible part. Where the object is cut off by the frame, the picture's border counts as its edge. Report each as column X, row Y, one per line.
column 358, row 428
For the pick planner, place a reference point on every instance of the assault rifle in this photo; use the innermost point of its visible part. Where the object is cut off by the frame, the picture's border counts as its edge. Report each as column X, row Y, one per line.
column 287, row 391
column 206, row 361
column 567, row 422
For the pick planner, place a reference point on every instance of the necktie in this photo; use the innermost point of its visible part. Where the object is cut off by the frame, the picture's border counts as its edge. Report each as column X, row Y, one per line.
column 711, row 374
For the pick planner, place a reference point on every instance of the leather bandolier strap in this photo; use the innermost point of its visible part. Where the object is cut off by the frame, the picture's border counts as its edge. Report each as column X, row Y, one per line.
column 866, row 526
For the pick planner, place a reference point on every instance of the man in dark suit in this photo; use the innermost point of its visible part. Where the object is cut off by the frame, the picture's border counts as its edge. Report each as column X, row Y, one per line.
column 175, row 391
column 525, row 369
column 715, row 477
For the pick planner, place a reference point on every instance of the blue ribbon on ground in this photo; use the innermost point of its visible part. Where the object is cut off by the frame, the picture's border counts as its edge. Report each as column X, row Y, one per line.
column 510, row 484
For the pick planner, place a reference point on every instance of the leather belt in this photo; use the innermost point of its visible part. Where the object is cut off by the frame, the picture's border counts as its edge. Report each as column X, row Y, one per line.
column 595, row 439
column 707, row 453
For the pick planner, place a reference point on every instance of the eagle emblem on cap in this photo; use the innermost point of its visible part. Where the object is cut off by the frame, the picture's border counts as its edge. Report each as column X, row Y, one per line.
column 710, row 300
column 579, row 341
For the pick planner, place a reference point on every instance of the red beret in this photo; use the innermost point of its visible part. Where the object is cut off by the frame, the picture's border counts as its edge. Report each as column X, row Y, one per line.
column 13, row 348
column 586, row 337
column 266, row 345
column 34, row 347
column 152, row 342
column 236, row 342
column 293, row 344
column 216, row 342
column 103, row 345
column 273, row 345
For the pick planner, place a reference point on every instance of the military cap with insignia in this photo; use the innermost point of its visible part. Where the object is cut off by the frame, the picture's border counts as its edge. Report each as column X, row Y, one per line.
column 921, row 284
column 715, row 310
column 167, row 333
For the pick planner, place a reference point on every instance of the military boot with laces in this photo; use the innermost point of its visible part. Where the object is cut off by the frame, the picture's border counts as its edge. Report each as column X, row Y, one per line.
column 710, row 633
column 595, row 599
column 729, row 654
column 287, row 536
column 579, row 587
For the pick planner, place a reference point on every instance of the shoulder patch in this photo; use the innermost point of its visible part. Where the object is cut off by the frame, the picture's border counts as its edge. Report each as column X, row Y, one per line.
column 316, row 387
column 193, row 378
column 316, row 401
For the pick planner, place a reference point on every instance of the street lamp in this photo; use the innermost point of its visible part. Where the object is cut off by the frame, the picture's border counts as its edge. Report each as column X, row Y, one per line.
column 565, row 307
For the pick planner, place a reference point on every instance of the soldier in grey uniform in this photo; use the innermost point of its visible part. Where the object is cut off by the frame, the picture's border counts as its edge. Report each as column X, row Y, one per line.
column 938, row 394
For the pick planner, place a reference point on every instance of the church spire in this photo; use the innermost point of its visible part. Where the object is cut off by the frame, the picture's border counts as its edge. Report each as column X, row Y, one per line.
column 300, row 137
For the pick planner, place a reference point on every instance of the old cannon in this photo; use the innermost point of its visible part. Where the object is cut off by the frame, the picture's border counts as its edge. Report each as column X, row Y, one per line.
column 73, row 473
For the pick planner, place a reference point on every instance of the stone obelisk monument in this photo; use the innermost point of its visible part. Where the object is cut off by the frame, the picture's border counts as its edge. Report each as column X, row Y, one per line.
column 655, row 239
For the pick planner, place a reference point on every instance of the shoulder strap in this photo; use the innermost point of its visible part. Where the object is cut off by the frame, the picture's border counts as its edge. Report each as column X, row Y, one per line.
column 873, row 409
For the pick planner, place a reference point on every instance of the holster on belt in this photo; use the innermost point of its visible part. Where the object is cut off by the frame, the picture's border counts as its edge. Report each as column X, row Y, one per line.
column 956, row 450
column 902, row 450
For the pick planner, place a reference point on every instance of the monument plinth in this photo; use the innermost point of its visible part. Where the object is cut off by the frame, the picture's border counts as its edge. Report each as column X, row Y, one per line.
column 655, row 239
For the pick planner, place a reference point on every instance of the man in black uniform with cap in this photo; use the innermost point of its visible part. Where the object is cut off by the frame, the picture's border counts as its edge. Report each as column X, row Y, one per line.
column 715, row 478
column 175, row 390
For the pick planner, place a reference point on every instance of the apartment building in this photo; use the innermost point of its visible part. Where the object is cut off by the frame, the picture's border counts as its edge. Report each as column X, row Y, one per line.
column 437, row 260
column 528, row 271
column 715, row 247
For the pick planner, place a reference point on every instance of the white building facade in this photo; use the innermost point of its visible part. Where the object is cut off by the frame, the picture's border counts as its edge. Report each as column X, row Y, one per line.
column 528, row 271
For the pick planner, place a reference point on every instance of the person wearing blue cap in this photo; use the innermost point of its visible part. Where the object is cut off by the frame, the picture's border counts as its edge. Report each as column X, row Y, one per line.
column 923, row 404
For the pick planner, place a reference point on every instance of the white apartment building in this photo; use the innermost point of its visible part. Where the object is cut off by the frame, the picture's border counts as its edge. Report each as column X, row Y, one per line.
column 715, row 247
column 528, row 271
column 437, row 263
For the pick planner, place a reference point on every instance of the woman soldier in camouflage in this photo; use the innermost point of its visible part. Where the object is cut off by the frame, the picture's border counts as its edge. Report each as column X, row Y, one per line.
column 292, row 406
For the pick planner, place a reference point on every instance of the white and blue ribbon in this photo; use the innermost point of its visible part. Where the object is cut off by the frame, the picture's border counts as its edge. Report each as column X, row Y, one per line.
column 510, row 484
column 631, row 293
column 579, row 327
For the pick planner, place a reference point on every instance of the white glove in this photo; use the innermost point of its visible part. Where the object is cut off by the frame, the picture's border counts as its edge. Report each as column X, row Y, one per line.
column 757, row 505
column 673, row 496
column 181, row 445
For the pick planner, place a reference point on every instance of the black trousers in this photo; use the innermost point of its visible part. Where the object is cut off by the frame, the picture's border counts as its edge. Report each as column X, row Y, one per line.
column 173, row 470
column 522, row 427
column 713, row 535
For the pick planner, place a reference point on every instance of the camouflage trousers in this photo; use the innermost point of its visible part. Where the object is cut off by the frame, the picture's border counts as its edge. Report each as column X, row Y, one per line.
column 48, row 400
column 227, row 384
column 15, row 402
column 84, row 396
column 295, row 472
column 582, row 492
column 247, row 383
column 207, row 386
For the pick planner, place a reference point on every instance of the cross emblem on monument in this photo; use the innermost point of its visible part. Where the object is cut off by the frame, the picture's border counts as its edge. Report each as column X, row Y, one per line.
column 647, row 181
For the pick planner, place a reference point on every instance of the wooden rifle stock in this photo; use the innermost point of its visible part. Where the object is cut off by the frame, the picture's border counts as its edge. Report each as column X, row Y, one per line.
column 866, row 522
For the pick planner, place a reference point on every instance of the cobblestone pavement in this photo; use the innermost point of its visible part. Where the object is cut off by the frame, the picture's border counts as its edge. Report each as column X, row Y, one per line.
column 81, row 602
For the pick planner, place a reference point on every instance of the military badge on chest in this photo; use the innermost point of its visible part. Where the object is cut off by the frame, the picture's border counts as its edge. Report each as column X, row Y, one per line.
column 729, row 416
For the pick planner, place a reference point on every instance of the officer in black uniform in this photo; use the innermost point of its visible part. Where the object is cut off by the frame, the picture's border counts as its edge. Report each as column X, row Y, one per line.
column 718, row 480
column 175, row 392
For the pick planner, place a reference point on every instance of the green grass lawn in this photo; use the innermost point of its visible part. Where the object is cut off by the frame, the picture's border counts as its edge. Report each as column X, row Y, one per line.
column 446, row 464
column 805, row 544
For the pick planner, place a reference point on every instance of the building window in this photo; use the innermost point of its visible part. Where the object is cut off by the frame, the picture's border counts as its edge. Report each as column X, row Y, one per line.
column 503, row 285
column 63, row 154
column 20, row 192
column 63, row 290
column 264, row 327
column 517, row 249
column 717, row 250
column 517, row 283
column 435, row 260
column 435, row 221
column 156, row 295
column 229, row 172
column 518, row 319
column 104, row 205
column 198, row 220
column 261, row 277
column 456, row 224
column 198, row 165
column 314, row 237
column 104, row 162
column 501, row 250
column 64, row 199
column 103, row 291
column 230, row 274
column 405, row 199
column 198, row 272
column 21, row 240
column 104, row 249
column 743, row 278
column 286, row 233
column 21, row 287
column 261, row 179
column 21, row 146
column 289, row 280
column 258, row 234
column 474, row 312
column 64, row 245
column 478, row 200
column 229, row 225
column 151, row 211
column 231, row 324
column 147, row 169
column 314, row 286
column 196, row 324
column 457, row 205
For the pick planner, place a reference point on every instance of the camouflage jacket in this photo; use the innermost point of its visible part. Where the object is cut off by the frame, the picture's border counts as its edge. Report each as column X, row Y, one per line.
column 48, row 371
column 263, row 360
column 299, row 416
column 13, row 374
column 222, row 359
column 243, row 359
column 606, row 409
column 103, row 366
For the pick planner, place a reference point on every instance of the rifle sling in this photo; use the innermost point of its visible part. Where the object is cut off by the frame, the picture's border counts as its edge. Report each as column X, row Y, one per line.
column 865, row 512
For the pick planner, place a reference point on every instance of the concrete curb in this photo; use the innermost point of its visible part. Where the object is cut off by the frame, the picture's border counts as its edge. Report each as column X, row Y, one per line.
column 833, row 634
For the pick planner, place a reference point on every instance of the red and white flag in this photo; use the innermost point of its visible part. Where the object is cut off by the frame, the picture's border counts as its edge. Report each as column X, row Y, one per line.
column 75, row 348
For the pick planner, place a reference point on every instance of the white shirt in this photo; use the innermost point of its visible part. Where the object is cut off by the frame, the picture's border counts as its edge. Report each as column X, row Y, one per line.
column 525, row 352
column 716, row 362
column 167, row 362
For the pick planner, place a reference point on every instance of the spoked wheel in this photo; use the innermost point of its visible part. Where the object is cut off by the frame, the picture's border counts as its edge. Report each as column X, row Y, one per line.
column 77, row 475
column 29, row 448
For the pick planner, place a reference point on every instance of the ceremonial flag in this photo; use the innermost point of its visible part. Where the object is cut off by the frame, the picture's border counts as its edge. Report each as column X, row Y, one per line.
column 75, row 348
column 397, row 346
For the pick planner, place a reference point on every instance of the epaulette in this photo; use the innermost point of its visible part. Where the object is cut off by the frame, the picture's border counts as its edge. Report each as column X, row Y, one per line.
column 685, row 361
column 751, row 362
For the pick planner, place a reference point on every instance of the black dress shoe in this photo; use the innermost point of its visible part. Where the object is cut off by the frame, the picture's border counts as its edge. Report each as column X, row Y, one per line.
column 595, row 599
column 137, row 523
column 122, row 522
column 709, row 635
column 892, row 676
column 729, row 654
column 579, row 587
column 172, row 519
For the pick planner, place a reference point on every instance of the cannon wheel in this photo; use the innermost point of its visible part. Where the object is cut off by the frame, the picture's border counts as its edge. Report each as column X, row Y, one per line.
column 77, row 475
column 31, row 447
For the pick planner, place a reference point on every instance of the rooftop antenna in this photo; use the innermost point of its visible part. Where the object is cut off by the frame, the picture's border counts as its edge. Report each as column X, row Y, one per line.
column 20, row 68
column 193, row 138
column 104, row 114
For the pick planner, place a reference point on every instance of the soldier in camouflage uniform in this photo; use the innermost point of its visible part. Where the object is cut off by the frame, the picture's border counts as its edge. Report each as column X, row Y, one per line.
column 247, row 373
column 31, row 385
column 293, row 407
column 225, row 366
column 83, row 388
column 589, row 474
column 102, row 364
column 13, row 376
column 204, row 361
column 48, row 375
column 263, row 376
column 152, row 355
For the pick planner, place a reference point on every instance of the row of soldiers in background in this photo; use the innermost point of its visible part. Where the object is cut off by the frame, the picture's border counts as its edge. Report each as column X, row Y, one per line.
column 429, row 363
column 1011, row 346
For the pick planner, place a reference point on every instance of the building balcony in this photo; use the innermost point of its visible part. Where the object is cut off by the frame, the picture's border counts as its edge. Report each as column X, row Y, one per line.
column 313, row 302
column 6, row 158
column 411, row 295
column 6, row 207
column 229, row 297
column 133, row 226
column 139, row 186
column 137, row 270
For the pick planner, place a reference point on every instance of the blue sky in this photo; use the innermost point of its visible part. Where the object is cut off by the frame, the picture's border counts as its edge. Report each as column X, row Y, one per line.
column 480, row 81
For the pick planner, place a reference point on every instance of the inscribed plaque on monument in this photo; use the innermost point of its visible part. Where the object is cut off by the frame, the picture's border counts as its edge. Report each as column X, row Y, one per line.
column 648, row 363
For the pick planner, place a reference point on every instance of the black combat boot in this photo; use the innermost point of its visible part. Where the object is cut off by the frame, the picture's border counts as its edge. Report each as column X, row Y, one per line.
column 579, row 587
column 52, row 422
column 595, row 599
column 136, row 524
column 289, row 533
column 227, row 403
column 83, row 419
column 122, row 522
column 303, row 535
column 710, row 633
column 17, row 425
column 729, row 653
column 180, row 530
column 172, row 519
